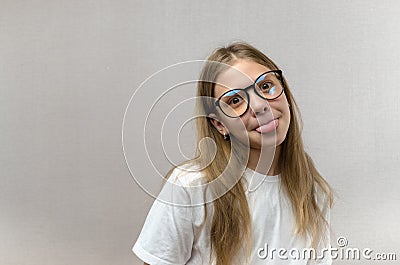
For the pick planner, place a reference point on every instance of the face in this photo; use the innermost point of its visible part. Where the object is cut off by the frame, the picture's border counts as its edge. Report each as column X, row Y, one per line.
column 265, row 123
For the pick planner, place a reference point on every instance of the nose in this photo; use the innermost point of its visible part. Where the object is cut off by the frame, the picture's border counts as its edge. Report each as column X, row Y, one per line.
column 258, row 105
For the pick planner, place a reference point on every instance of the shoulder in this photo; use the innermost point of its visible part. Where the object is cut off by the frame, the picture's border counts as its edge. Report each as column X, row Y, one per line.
column 187, row 175
column 323, row 198
column 182, row 186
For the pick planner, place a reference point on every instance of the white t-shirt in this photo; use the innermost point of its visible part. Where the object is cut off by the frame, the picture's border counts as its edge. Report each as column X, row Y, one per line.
column 171, row 234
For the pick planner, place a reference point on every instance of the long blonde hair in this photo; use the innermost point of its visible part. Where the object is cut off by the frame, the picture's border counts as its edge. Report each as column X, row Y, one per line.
column 300, row 180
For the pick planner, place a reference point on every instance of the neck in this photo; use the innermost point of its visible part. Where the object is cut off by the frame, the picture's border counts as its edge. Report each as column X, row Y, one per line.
column 259, row 160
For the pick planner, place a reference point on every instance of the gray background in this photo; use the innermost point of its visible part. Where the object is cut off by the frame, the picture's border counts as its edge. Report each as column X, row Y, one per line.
column 69, row 68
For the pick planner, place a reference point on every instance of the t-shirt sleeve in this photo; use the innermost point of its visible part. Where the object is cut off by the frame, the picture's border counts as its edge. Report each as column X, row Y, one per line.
column 323, row 251
column 167, row 234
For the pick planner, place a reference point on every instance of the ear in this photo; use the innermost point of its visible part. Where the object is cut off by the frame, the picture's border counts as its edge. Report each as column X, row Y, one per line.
column 217, row 124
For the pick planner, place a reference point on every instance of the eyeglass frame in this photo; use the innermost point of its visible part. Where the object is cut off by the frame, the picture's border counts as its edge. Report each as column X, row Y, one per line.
column 254, row 88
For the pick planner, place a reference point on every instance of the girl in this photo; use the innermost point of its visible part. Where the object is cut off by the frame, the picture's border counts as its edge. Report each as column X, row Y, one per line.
column 267, row 203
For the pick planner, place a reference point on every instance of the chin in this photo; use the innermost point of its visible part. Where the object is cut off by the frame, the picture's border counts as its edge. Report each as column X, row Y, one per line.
column 267, row 140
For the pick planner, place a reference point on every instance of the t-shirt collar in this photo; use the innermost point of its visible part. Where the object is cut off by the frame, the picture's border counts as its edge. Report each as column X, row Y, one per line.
column 256, row 179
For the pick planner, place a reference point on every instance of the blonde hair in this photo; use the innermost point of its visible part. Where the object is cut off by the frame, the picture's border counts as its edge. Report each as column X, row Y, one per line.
column 300, row 180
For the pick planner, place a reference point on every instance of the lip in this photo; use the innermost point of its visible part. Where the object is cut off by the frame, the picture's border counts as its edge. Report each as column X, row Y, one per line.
column 267, row 127
column 265, row 123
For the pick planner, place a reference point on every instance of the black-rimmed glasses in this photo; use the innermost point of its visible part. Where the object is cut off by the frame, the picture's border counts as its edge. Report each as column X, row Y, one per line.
column 234, row 103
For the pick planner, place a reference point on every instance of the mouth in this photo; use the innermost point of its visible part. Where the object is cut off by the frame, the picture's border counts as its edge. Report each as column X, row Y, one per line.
column 268, row 127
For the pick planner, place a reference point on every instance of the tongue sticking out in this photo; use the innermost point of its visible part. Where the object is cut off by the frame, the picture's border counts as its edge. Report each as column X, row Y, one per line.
column 269, row 127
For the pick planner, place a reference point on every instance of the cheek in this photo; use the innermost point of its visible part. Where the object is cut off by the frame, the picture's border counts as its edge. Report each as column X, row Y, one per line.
column 284, row 100
column 281, row 106
column 238, row 126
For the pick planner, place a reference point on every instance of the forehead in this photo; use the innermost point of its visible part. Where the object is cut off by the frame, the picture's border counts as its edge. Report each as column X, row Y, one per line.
column 239, row 75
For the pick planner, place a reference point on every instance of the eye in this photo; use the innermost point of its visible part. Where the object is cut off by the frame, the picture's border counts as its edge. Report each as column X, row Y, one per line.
column 266, row 86
column 235, row 100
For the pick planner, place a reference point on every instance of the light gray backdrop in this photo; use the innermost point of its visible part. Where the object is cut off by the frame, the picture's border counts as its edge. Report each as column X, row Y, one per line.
column 69, row 68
